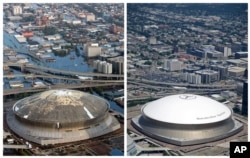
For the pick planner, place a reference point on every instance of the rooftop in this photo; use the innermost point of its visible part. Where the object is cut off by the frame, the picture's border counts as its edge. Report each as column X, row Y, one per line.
column 62, row 106
column 186, row 109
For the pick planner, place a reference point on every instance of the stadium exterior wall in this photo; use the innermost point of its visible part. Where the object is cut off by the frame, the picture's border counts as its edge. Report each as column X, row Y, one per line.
column 192, row 136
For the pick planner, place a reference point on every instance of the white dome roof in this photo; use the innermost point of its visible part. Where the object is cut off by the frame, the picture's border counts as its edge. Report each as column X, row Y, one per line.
column 186, row 109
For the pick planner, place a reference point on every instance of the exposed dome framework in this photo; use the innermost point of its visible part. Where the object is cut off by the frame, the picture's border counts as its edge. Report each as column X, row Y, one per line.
column 186, row 119
column 59, row 116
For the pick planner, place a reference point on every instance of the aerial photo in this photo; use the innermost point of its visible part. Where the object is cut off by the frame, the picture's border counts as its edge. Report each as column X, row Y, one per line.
column 187, row 78
column 63, row 74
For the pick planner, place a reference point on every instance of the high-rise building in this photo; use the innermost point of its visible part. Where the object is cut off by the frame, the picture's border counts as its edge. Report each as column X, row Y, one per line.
column 100, row 66
column 196, row 79
column 208, row 76
column 244, row 109
column 92, row 50
column 107, row 68
column 17, row 10
column 117, row 64
column 103, row 67
column 95, row 64
column 223, row 71
column 227, row 51
column 172, row 65
column 192, row 78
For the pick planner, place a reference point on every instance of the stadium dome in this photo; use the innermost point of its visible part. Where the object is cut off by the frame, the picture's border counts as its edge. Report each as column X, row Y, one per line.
column 60, row 116
column 186, row 119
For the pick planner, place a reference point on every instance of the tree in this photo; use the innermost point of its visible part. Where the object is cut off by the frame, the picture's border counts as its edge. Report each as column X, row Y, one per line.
column 50, row 30
column 148, row 63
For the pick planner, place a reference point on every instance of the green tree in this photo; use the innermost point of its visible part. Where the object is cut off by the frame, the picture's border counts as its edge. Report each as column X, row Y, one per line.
column 148, row 63
column 50, row 30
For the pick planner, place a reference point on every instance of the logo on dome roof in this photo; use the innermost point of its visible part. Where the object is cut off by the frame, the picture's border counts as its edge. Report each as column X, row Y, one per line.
column 187, row 97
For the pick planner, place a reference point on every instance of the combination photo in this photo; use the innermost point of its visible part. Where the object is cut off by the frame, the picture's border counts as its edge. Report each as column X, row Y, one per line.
column 124, row 79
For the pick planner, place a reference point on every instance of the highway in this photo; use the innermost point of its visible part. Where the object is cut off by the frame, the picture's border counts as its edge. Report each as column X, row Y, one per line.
column 164, row 89
column 7, row 146
column 62, row 78
column 158, row 87
column 58, row 86
column 40, row 72
column 208, row 86
column 42, row 68
column 157, row 96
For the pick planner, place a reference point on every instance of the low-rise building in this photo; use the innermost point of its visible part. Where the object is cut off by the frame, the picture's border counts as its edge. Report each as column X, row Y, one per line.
column 90, row 17
column 236, row 71
column 239, row 55
column 237, row 62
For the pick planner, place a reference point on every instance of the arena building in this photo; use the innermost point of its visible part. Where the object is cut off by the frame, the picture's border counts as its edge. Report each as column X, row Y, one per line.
column 186, row 119
column 61, row 116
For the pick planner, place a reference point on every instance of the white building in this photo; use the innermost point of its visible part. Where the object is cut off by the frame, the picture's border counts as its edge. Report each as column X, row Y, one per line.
column 20, row 38
column 100, row 64
column 107, row 68
column 152, row 40
column 96, row 64
column 90, row 17
column 196, row 79
column 227, row 51
column 172, row 65
column 17, row 10
column 236, row 71
column 76, row 22
column 192, row 78
column 92, row 50
column 103, row 67
column 52, row 37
